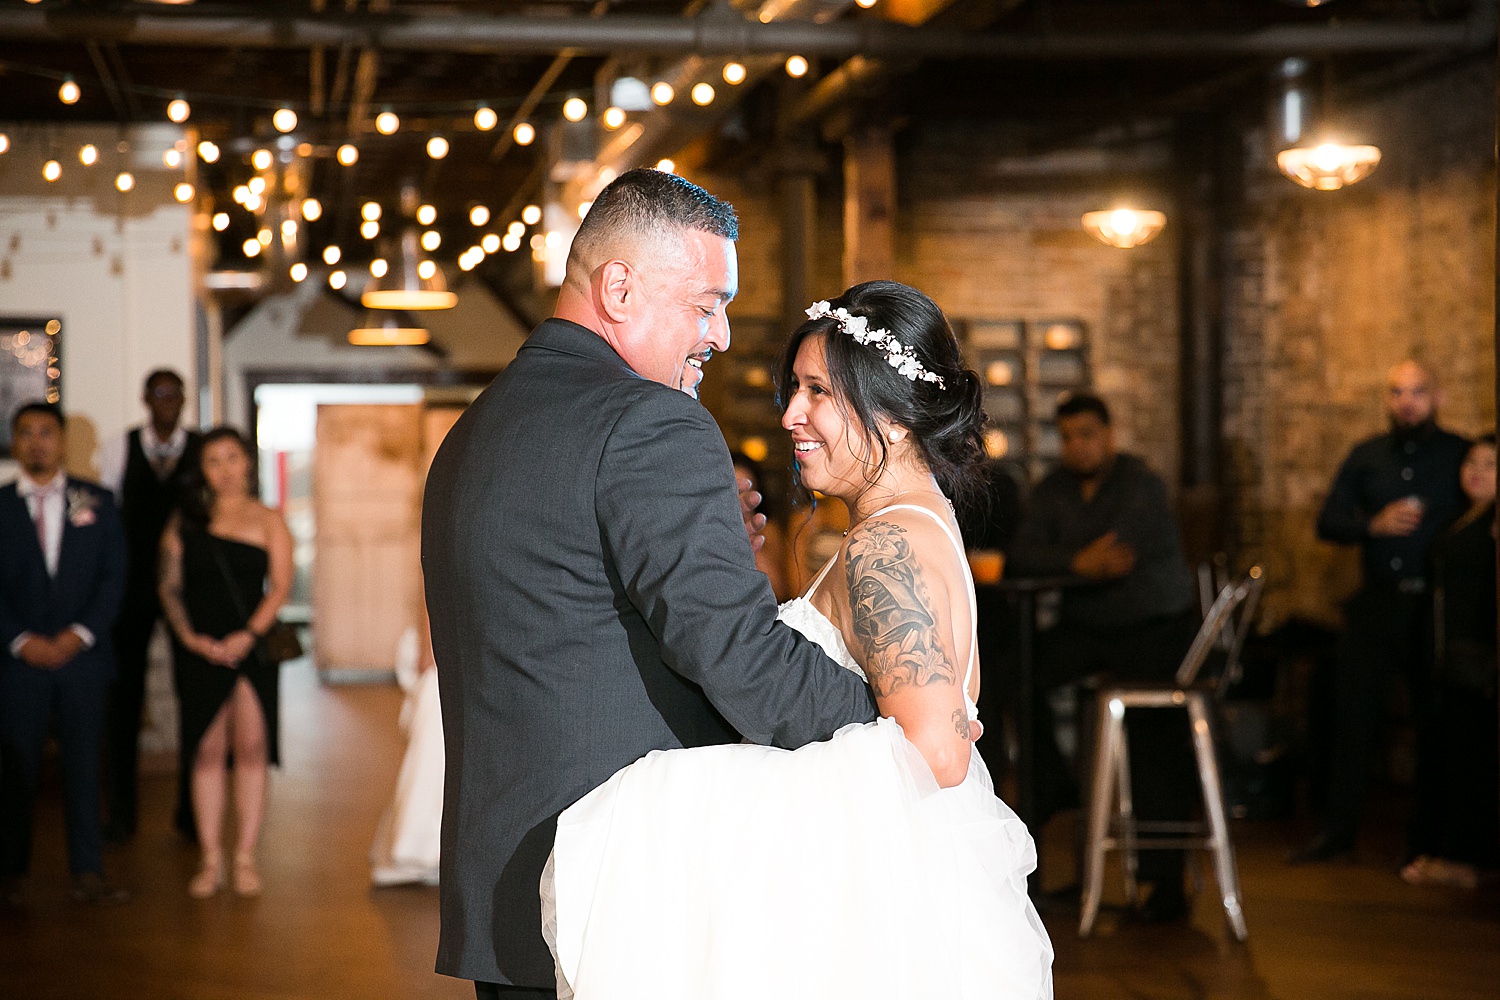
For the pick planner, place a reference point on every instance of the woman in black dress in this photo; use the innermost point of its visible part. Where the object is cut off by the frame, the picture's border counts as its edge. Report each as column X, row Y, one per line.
column 226, row 569
column 1456, row 834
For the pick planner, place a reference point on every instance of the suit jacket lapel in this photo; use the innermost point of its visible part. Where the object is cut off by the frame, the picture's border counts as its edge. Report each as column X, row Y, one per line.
column 22, row 516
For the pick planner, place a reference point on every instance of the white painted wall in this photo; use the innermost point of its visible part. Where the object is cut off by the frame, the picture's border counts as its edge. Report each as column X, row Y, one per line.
column 116, row 268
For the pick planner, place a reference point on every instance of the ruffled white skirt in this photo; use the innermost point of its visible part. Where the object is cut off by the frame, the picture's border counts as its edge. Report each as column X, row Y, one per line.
column 837, row 870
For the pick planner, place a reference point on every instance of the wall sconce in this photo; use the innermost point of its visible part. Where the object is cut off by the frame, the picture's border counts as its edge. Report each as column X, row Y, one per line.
column 1328, row 166
column 383, row 328
column 1124, row 227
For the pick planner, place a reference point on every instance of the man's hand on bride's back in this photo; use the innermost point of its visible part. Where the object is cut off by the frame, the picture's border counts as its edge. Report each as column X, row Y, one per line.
column 754, row 523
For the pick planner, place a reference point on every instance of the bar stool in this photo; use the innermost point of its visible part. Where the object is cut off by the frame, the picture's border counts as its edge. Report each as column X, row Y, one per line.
column 1112, row 822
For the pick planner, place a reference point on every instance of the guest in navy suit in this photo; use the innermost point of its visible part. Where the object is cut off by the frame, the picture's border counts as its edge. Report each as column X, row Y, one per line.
column 62, row 572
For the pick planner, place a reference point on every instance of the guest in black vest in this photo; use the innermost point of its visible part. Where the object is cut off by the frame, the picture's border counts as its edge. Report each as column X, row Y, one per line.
column 146, row 468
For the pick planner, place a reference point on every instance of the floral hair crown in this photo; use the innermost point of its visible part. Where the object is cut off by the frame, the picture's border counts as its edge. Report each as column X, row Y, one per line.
column 898, row 355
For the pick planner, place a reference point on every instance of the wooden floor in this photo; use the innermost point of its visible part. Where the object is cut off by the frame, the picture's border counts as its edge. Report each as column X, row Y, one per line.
column 1350, row 930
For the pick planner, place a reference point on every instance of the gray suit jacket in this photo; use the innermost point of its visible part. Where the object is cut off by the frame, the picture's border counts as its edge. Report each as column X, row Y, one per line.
column 593, row 597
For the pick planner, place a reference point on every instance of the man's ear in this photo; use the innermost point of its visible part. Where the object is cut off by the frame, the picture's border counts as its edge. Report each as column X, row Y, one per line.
column 618, row 290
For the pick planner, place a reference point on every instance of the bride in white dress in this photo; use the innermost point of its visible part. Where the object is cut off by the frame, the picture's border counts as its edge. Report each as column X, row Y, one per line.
column 877, row 864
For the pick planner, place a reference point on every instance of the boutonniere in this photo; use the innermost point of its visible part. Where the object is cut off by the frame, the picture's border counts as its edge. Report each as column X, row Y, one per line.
column 81, row 506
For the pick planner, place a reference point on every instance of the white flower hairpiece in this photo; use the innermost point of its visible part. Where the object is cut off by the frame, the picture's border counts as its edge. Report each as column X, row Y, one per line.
column 899, row 356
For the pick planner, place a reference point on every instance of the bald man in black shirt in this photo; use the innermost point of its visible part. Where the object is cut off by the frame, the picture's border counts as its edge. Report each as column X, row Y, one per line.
column 1392, row 496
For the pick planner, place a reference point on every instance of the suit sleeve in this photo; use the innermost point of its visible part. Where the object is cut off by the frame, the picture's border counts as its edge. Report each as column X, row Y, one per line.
column 98, row 615
column 671, row 522
column 1343, row 518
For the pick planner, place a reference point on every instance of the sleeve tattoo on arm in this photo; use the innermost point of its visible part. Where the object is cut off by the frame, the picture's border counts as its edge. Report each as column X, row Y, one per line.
column 892, row 624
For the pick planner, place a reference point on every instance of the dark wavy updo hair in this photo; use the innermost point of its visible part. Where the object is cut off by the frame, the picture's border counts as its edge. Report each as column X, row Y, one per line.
column 946, row 423
column 197, row 499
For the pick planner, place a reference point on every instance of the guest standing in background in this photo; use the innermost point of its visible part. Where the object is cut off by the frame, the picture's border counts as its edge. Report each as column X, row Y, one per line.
column 147, row 468
column 226, row 569
column 62, row 568
column 1393, row 495
column 1456, row 833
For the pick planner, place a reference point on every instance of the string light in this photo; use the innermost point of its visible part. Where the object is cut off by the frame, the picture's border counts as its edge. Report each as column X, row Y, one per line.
column 298, row 271
column 370, row 211
column 348, row 155
column 208, row 152
column 479, row 215
column 254, row 202
column 426, row 269
column 220, row 221
column 337, row 280
column 516, row 229
column 4, row 143
column 666, row 166
column 171, row 158
column 386, row 123
column 796, row 67
column 179, row 110
column 575, row 109
column 426, row 215
column 124, row 181
column 331, row 254
column 288, row 230
column 437, row 147
column 88, row 155
column 511, row 243
column 734, row 73
column 240, row 194
column 431, row 240
column 485, row 118
column 662, row 93
column 284, row 120
column 51, row 170
column 257, row 185
column 378, row 267
column 490, row 243
column 264, row 236
column 261, row 160
column 703, row 94
column 251, row 247
column 369, row 229
column 583, row 209
column 69, row 93
column 312, row 209
column 524, row 134
column 614, row 117
column 531, row 215
column 183, row 192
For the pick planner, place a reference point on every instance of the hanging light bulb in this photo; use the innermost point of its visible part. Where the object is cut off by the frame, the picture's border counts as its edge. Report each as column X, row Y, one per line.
column 1328, row 166
column 734, row 73
column 208, row 152
column 256, row 185
column 331, row 254
column 490, row 243
column 4, row 143
column 1124, row 227
column 662, row 93
column 666, row 166
column 370, row 211
column 348, row 154
column 386, row 123
column 220, row 221
column 69, row 93
column 388, row 328
column 288, row 230
column 796, row 67
column 431, row 240
column 703, row 94
column 531, row 215
column 378, row 267
column 284, row 120
column 312, row 209
column 251, row 247
column 613, row 117
column 337, row 280
column 298, row 271
column 479, row 215
column 124, row 181
column 426, row 215
column 171, row 158
column 88, row 155
column 524, row 134
column 516, row 228
column 485, row 118
column 183, row 192
column 437, row 147
column 866, row 4
column 575, row 109
column 51, row 170
column 261, row 159
column 369, row 229
column 264, row 236
column 511, row 242
column 178, row 111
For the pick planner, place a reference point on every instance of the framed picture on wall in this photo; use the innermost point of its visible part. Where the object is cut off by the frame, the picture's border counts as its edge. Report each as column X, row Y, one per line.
column 30, row 371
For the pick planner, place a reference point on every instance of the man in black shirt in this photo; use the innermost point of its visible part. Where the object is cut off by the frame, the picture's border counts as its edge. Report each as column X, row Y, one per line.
column 1392, row 496
column 147, row 469
column 1105, row 518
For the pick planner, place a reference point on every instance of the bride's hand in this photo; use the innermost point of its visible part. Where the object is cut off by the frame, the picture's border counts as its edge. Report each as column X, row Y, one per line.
column 754, row 523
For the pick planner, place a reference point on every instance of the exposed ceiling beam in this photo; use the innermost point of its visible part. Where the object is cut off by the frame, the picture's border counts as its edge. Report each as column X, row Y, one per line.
column 716, row 31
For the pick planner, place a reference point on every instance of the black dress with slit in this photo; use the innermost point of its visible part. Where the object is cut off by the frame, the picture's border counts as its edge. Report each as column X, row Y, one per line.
column 214, row 610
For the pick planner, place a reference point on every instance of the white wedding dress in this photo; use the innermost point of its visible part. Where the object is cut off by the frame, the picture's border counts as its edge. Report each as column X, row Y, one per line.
column 839, row 870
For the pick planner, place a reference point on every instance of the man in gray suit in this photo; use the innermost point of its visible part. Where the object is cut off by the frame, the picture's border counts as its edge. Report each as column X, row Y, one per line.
column 592, row 591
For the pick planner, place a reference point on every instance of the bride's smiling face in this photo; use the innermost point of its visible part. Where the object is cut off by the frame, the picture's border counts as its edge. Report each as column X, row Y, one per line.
column 834, row 455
